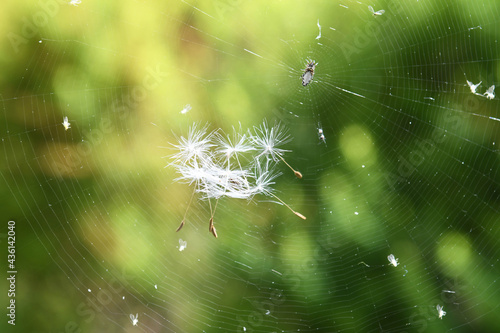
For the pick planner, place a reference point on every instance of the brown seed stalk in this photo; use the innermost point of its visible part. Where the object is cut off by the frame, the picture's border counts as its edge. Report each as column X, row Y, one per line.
column 297, row 173
column 180, row 226
column 214, row 232
column 296, row 213
column 184, row 218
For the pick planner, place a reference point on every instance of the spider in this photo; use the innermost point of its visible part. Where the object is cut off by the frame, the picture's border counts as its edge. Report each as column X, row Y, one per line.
column 308, row 73
column 321, row 134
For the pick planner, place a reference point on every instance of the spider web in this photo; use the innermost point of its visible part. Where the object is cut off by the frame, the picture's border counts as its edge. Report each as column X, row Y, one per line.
column 408, row 166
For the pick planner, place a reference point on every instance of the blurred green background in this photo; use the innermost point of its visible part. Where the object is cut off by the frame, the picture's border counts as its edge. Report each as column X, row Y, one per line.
column 410, row 166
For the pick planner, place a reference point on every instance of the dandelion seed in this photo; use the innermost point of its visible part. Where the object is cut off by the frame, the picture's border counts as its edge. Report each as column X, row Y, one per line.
column 441, row 312
column 195, row 149
column 263, row 181
column 75, row 2
column 235, row 146
column 238, row 166
column 268, row 139
column 134, row 319
column 66, row 123
column 490, row 93
column 392, row 260
column 225, row 183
